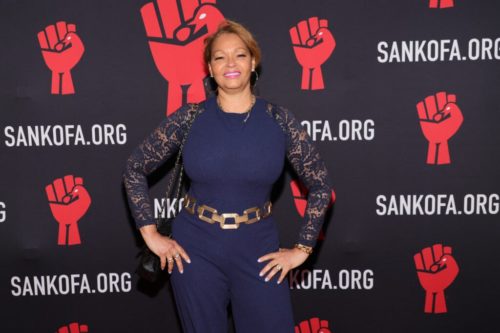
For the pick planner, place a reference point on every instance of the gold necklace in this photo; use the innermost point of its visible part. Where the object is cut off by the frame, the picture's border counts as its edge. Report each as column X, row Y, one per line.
column 247, row 111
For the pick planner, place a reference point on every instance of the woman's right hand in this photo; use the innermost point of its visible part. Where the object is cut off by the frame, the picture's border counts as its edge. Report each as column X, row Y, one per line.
column 167, row 249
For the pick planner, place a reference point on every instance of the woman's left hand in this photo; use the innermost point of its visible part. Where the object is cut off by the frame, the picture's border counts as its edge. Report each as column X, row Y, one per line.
column 282, row 261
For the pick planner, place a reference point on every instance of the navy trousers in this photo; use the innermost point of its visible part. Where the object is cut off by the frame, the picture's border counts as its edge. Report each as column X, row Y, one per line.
column 224, row 270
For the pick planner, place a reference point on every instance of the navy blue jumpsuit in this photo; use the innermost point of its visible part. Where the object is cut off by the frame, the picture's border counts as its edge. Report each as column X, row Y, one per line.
column 232, row 166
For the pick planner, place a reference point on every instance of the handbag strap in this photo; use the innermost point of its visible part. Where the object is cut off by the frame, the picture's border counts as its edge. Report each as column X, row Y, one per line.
column 177, row 175
column 181, row 148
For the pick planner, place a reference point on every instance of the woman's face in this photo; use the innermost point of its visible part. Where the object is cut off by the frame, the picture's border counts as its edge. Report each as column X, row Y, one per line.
column 231, row 63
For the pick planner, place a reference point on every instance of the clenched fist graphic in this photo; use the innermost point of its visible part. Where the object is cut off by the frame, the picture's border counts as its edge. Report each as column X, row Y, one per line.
column 441, row 3
column 61, row 49
column 313, row 325
column 313, row 44
column 68, row 201
column 176, row 31
column 436, row 270
column 440, row 118
column 73, row 328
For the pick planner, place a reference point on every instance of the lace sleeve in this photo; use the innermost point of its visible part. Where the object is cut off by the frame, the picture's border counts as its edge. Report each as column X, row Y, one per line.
column 158, row 147
column 305, row 159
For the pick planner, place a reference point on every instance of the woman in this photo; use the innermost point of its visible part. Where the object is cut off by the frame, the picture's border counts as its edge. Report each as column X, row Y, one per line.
column 225, row 241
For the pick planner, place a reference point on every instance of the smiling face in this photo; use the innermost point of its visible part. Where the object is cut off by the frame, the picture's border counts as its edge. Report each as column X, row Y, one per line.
column 231, row 63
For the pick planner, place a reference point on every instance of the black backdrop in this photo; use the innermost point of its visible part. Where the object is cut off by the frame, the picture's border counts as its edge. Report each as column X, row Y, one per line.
column 363, row 276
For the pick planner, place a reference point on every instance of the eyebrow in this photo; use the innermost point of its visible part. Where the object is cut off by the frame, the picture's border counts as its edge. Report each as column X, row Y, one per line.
column 237, row 49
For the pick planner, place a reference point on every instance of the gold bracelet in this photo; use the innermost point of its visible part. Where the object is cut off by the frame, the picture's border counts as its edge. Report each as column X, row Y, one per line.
column 303, row 248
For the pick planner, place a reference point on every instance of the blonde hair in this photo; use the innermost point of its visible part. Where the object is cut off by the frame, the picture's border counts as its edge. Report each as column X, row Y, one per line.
column 231, row 27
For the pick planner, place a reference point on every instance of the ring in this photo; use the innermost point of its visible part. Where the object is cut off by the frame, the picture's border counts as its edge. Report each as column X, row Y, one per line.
column 177, row 256
column 278, row 267
column 170, row 259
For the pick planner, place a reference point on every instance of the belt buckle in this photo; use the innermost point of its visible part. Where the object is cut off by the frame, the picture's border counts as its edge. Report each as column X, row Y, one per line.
column 267, row 207
column 187, row 203
column 255, row 210
column 202, row 209
column 223, row 224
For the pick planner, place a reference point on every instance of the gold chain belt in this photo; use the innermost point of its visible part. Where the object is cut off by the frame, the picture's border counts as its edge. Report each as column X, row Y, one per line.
column 214, row 216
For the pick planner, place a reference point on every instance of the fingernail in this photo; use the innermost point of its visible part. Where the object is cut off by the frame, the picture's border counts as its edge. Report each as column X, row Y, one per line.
column 182, row 272
column 278, row 282
column 260, row 274
column 189, row 261
column 267, row 279
column 169, row 272
column 258, row 260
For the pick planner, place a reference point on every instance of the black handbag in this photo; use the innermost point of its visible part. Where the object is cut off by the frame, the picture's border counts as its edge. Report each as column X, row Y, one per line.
column 149, row 265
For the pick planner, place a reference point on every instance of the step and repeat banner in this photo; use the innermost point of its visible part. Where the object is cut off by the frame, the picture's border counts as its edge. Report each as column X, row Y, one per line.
column 401, row 98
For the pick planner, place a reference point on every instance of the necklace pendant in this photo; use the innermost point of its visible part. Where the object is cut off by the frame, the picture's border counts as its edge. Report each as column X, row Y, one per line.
column 246, row 118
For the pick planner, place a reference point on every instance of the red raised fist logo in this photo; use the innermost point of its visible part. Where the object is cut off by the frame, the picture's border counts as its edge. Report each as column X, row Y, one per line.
column 313, row 325
column 68, row 201
column 176, row 31
column 61, row 49
column 313, row 44
column 436, row 270
column 440, row 118
column 299, row 192
column 73, row 328
column 441, row 3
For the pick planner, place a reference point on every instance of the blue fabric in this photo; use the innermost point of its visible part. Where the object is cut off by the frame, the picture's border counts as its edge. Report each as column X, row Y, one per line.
column 232, row 166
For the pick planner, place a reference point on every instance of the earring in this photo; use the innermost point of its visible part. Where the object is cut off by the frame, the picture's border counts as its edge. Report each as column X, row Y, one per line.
column 255, row 79
column 256, row 76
